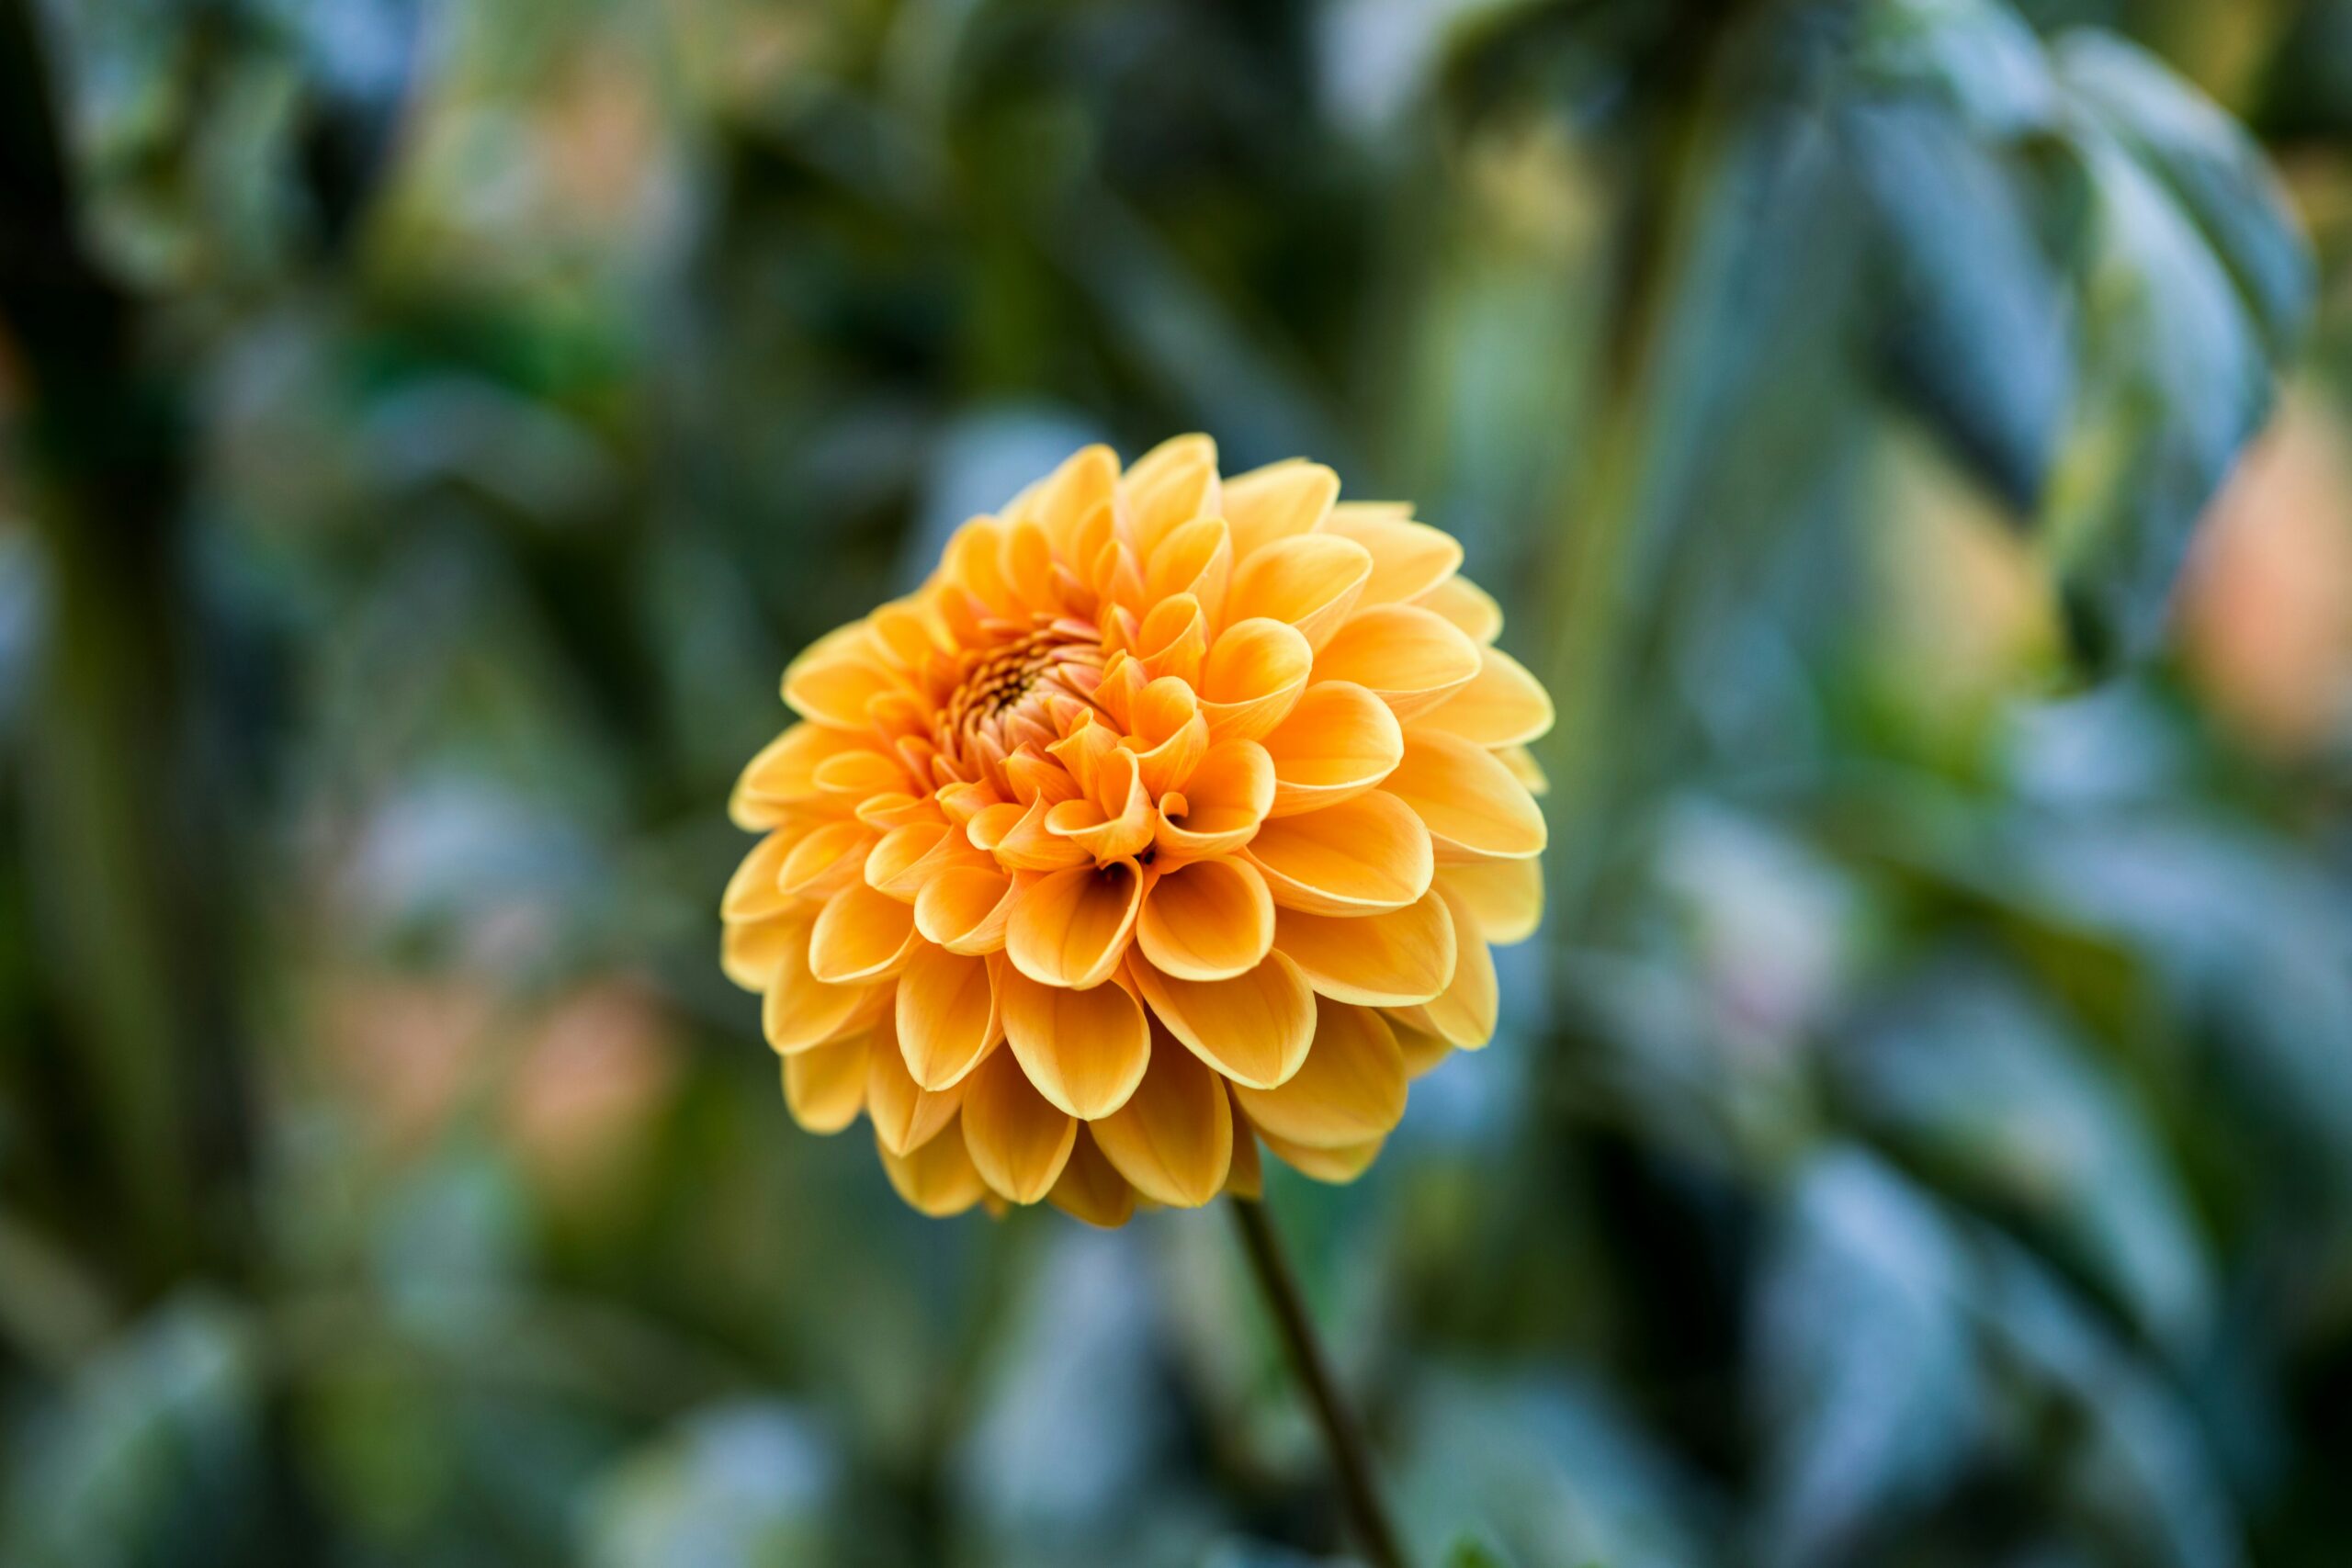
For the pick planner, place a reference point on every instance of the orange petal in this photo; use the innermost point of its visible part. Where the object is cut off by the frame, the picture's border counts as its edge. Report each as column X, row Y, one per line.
column 1222, row 805
column 824, row 1087
column 1525, row 769
column 784, row 773
column 1248, row 1177
column 1423, row 1050
column 860, row 936
column 1335, row 1166
column 835, row 691
column 1089, row 824
column 1168, row 485
column 1061, row 503
column 905, row 1114
column 1253, row 677
column 1464, row 1012
column 1173, row 1140
column 938, row 1178
column 1278, row 501
column 1411, row 658
column 853, row 776
column 750, row 951
column 1470, row 803
column 1031, row 844
column 965, row 908
column 753, row 893
column 1254, row 1028
column 1351, row 1092
column 1208, row 920
column 1359, row 856
column 1470, row 607
column 1195, row 558
column 1070, row 928
column 1504, row 897
column 828, row 858
column 1085, row 1051
column 1408, row 559
column 1170, row 737
column 948, row 1016
column 1339, row 741
column 1018, row 1142
column 1173, row 640
column 1504, row 706
column 1392, row 959
column 1310, row 581
column 800, row 1011
column 1092, row 1188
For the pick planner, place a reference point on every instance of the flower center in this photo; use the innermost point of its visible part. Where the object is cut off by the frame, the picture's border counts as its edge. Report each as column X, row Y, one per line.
column 1024, row 689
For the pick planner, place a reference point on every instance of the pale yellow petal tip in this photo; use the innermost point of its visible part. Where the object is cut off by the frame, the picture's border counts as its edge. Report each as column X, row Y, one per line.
column 1168, row 825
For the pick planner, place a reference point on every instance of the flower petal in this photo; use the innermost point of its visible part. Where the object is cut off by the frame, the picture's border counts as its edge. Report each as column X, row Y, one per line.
column 1505, row 896
column 1339, row 741
column 824, row 1087
column 800, row 1011
column 784, row 774
column 835, row 691
column 828, row 858
column 1470, row 607
column 1018, row 1142
column 1092, row 1188
column 938, row 1178
column 1246, row 1179
column 1350, row 1090
column 1465, row 1012
column 1410, row 658
column 1168, row 485
column 753, row 892
column 1355, row 858
column 905, row 1114
column 1471, row 805
column 1392, row 959
column 860, row 936
column 1423, row 1051
column 1070, row 928
column 1085, row 1051
column 1255, row 1028
column 1173, row 1139
column 1222, row 805
column 1310, row 582
column 948, row 1016
column 1253, row 677
column 1194, row 559
column 1210, row 919
column 1504, row 706
column 965, row 908
column 1408, row 559
column 749, row 951
column 1278, row 501
column 1335, row 1166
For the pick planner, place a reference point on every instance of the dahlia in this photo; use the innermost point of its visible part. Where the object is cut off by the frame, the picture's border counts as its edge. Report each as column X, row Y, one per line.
column 1172, row 817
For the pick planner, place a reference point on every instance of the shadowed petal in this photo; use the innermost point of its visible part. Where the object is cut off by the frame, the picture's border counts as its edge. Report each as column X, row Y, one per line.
column 1221, row 806
column 948, row 1016
column 1209, row 920
column 1505, row 896
column 1504, row 706
column 1085, row 1051
column 905, row 1114
column 938, row 1178
column 1338, row 1166
column 1174, row 1138
column 824, row 1087
column 1255, row 1028
column 800, row 1011
column 965, row 908
column 1070, row 928
column 1090, row 1187
column 1392, row 959
column 1350, row 1090
column 1465, row 1012
column 860, row 936
column 1310, row 582
column 1253, row 677
column 1278, row 501
column 1408, row 559
column 1018, row 1141
column 1470, row 607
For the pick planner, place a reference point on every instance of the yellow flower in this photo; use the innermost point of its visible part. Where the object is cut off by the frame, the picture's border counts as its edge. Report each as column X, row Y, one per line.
column 1172, row 809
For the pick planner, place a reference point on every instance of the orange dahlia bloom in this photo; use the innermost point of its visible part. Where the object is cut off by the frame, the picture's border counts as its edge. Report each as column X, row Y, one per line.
column 1171, row 810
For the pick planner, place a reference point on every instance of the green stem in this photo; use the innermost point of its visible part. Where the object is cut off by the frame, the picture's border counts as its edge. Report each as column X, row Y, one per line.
column 1343, row 1437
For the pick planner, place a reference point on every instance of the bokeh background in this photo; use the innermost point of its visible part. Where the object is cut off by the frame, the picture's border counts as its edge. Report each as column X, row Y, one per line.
column 1920, row 1135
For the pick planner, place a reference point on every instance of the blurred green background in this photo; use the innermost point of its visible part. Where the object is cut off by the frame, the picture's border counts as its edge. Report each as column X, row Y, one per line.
column 1921, row 1134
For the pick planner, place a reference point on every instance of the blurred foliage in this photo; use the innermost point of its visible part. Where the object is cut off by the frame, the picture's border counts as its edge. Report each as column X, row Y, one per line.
column 1922, row 1133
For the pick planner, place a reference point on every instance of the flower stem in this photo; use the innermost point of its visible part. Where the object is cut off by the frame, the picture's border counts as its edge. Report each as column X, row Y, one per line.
column 1342, row 1438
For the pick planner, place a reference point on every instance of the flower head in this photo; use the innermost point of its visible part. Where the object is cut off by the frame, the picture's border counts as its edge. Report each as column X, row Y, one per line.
column 1171, row 810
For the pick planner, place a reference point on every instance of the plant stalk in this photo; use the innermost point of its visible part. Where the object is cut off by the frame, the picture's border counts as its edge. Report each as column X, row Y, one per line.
column 1342, row 1434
